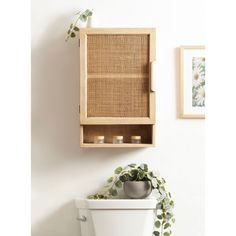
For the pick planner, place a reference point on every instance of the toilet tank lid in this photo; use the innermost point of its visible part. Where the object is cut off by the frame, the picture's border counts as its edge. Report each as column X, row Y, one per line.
column 116, row 204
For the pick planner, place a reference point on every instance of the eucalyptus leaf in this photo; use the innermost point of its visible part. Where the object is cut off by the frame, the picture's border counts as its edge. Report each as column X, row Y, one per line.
column 141, row 175
column 118, row 184
column 166, row 225
column 83, row 18
column 110, row 180
column 90, row 197
column 144, row 167
column 90, row 13
column 118, row 170
column 159, row 205
column 133, row 172
column 157, row 224
column 76, row 28
column 72, row 35
column 156, row 233
column 159, row 217
column 124, row 177
column 166, row 234
column 113, row 192
column 154, row 183
column 87, row 12
column 132, row 165
column 169, row 215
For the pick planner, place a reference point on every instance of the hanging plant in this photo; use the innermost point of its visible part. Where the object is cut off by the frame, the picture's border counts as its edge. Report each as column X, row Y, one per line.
column 80, row 16
column 164, row 217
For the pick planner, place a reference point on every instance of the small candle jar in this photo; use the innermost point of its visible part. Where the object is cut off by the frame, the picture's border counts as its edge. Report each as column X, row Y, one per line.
column 136, row 139
column 98, row 139
column 117, row 139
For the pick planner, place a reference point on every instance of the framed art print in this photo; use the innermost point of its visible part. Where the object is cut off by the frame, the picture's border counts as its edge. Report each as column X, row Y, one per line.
column 192, row 82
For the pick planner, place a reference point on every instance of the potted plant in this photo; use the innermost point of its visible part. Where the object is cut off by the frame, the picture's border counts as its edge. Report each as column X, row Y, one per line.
column 81, row 16
column 138, row 182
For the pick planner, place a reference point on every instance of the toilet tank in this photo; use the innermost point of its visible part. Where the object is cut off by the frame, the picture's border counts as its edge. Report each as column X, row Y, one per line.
column 123, row 217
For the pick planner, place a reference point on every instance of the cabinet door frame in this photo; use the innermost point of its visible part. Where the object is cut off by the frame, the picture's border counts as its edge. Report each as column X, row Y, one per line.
column 84, row 119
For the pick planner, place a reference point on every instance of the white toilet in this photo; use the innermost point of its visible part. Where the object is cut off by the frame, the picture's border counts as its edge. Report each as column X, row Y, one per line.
column 119, row 217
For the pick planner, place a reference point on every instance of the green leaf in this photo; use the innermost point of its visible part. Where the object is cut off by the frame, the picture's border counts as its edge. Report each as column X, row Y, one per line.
column 76, row 28
column 169, row 215
column 110, row 180
column 83, row 18
column 157, row 224
column 90, row 13
column 118, row 170
column 154, row 183
column 151, row 174
column 68, row 32
column 78, row 13
column 132, row 165
column 159, row 217
column 141, row 175
column 113, row 192
column 156, row 233
column 144, row 167
column 133, row 172
column 124, row 177
column 173, row 220
column 159, row 205
column 166, row 234
column 166, row 225
column 118, row 184
column 71, row 26
column 72, row 35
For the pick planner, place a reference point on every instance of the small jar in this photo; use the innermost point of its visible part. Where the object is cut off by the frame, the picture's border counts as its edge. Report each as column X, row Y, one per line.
column 136, row 139
column 98, row 139
column 117, row 139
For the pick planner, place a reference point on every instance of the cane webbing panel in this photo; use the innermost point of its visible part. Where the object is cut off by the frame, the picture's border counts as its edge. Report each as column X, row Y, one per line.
column 118, row 75
column 145, row 131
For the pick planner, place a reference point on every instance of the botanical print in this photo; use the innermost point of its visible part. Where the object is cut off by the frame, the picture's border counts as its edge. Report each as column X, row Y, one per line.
column 198, row 82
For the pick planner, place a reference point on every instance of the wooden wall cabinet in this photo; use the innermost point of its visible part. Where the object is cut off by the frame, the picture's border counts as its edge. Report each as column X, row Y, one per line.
column 117, row 94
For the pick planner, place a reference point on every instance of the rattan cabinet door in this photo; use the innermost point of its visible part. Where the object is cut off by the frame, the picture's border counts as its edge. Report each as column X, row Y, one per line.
column 115, row 76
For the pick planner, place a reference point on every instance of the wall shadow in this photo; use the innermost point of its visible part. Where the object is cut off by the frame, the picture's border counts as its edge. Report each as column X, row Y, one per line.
column 61, row 222
column 55, row 125
column 55, row 101
column 177, row 80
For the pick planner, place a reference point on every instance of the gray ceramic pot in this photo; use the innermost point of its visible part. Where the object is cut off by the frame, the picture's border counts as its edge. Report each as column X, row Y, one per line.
column 137, row 189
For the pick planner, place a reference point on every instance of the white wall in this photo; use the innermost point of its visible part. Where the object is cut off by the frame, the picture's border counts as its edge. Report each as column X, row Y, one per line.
column 61, row 170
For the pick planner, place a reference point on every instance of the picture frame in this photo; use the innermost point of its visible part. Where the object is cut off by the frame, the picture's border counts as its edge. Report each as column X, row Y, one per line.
column 192, row 82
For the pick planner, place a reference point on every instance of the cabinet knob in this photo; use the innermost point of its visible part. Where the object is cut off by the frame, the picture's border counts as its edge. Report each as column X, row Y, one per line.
column 82, row 218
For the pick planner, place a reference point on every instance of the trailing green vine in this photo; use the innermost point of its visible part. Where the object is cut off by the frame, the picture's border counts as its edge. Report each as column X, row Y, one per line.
column 80, row 16
column 164, row 217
